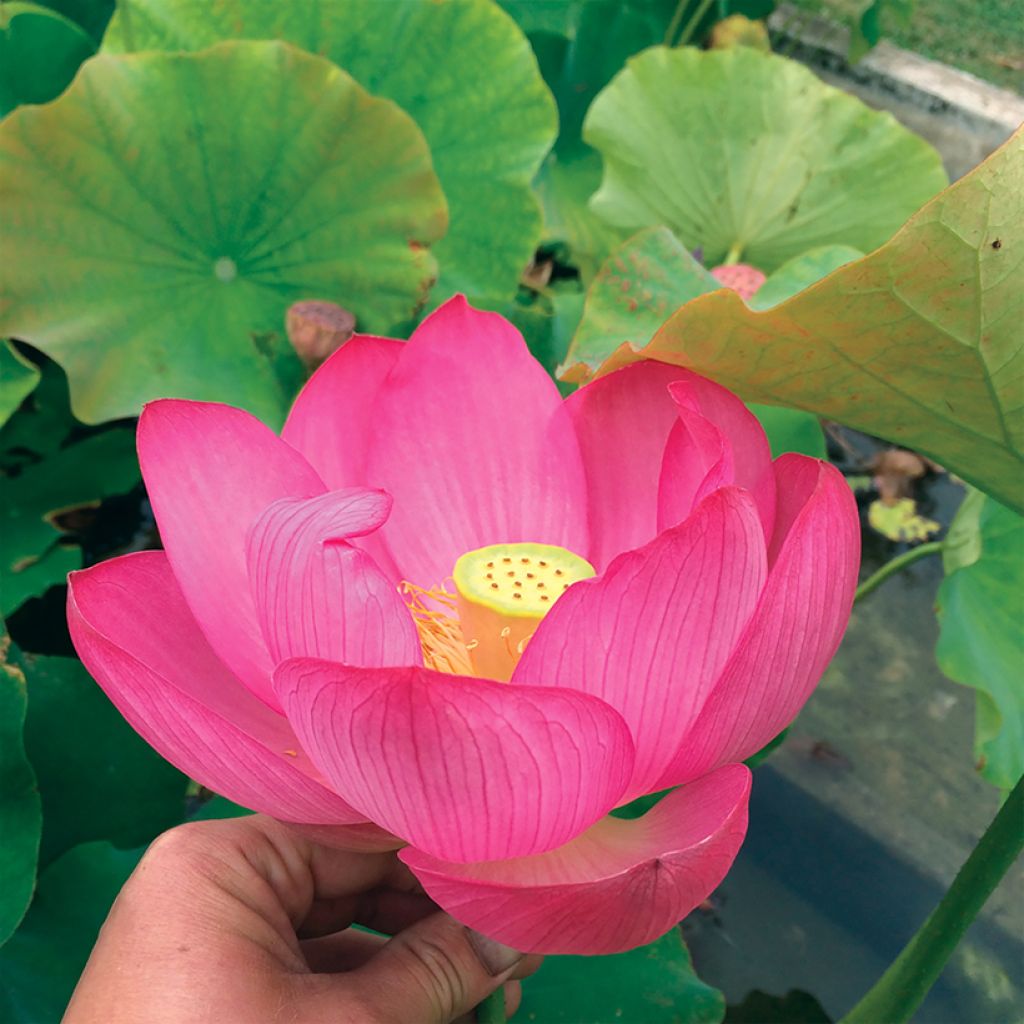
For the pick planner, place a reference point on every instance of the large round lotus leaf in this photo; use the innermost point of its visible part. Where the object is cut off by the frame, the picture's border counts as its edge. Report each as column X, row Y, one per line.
column 165, row 211
column 747, row 154
column 40, row 51
column 461, row 68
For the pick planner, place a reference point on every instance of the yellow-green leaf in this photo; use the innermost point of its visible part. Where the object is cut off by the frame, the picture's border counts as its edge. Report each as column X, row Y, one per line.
column 920, row 342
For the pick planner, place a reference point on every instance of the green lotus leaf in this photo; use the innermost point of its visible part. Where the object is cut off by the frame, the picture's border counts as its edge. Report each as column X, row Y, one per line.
column 751, row 157
column 461, row 68
column 919, row 342
column 564, row 185
column 653, row 983
column 638, row 287
column 40, row 51
column 645, row 280
column 801, row 272
column 167, row 209
column 41, row 964
column 18, row 378
column 91, row 15
column 581, row 44
column 547, row 321
column 97, row 777
column 34, row 553
column 41, row 424
column 980, row 608
column 21, row 817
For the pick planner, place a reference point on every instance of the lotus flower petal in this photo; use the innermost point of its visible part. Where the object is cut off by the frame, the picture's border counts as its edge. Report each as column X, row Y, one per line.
column 332, row 420
column 651, row 635
column 622, row 422
column 137, row 637
column 467, row 769
column 619, row 885
column 210, row 470
column 698, row 459
column 796, row 628
column 752, row 456
column 471, row 439
column 319, row 596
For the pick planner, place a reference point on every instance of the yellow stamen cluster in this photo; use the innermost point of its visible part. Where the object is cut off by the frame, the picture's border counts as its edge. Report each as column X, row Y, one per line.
column 435, row 612
column 501, row 594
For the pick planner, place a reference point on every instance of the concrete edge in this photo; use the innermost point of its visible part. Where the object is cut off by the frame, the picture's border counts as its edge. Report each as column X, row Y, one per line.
column 818, row 41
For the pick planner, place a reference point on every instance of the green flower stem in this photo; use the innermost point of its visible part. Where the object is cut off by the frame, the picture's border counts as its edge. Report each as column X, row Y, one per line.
column 900, row 991
column 695, row 20
column 677, row 20
column 876, row 579
column 492, row 1009
column 733, row 255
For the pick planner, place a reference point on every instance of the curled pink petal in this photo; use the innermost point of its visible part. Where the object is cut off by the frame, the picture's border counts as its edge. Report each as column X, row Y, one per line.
column 652, row 634
column 138, row 639
column 752, row 457
column 332, row 419
column 698, row 460
column 466, row 769
column 319, row 596
column 470, row 438
column 209, row 471
column 796, row 628
column 619, row 885
column 623, row 421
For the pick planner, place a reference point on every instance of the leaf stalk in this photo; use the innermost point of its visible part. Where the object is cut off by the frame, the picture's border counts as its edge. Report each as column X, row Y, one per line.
column 901, row 990
column 877, row 578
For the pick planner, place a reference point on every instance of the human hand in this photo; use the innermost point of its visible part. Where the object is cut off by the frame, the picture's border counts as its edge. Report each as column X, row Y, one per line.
column 246, row 921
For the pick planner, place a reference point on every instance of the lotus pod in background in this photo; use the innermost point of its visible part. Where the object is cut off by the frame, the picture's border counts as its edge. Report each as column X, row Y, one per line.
column 317, row 329
column 739, row 30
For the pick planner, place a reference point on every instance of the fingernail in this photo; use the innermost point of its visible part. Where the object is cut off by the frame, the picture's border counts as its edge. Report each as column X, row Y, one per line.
column 495, row 957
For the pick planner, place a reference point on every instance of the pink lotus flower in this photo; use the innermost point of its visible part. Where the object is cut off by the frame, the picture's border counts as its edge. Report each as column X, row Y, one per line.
column 311, row 642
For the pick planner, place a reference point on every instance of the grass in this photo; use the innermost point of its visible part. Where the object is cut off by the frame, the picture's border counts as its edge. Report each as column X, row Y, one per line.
column 984, row 37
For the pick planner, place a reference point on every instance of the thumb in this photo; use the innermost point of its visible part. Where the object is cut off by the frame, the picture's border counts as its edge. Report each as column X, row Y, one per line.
column 432, row 973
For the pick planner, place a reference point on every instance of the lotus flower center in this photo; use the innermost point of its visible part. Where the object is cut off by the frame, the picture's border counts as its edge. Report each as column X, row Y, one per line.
column 501, row 594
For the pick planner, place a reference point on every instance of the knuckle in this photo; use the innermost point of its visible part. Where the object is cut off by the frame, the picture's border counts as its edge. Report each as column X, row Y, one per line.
column 181, row 843
column 438, row 970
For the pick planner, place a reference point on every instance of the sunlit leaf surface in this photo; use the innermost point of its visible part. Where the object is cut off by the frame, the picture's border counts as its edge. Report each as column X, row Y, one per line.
column 167, row 209
column 749, row 154
column 461, row 68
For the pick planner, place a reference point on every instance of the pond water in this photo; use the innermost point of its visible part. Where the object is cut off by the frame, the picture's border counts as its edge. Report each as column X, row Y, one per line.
column 859, row 822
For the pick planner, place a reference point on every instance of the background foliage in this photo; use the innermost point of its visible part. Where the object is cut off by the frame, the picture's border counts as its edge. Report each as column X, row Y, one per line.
column 172, row 181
